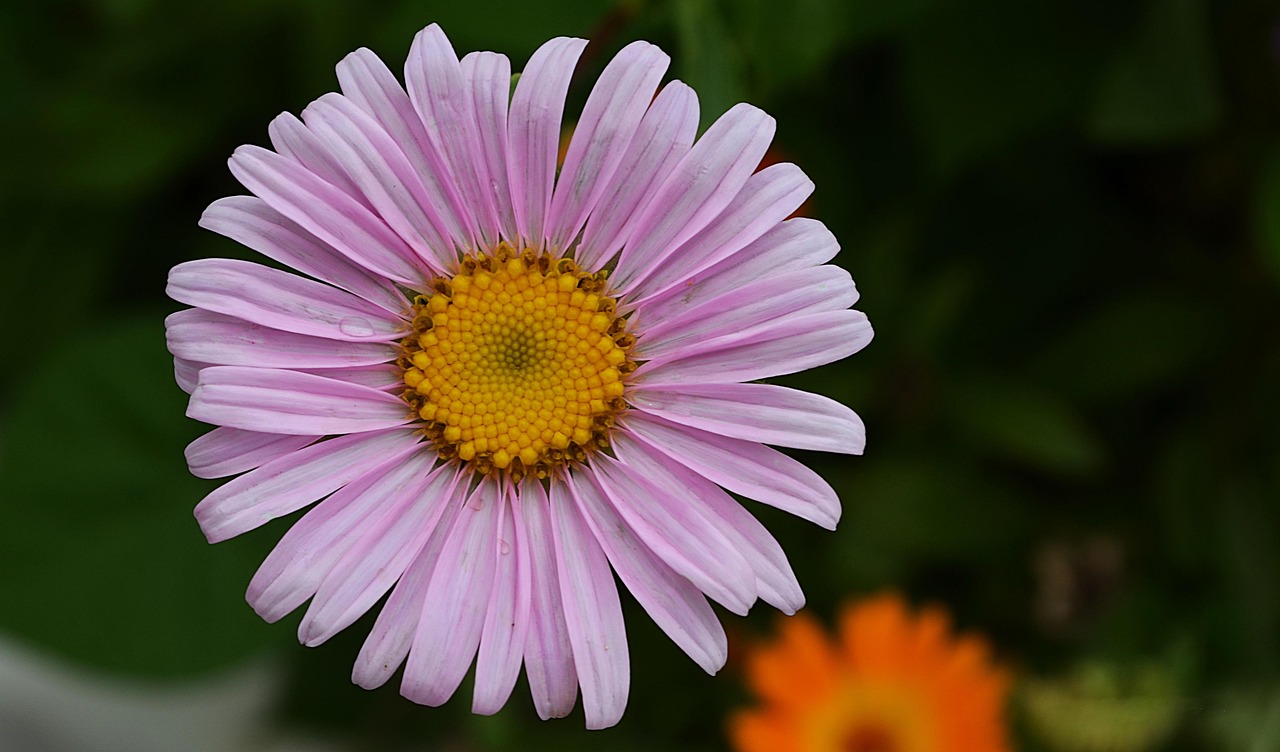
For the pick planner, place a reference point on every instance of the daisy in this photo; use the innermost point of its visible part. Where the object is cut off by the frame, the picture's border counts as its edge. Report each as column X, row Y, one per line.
column 890, row 681
column 505, row 382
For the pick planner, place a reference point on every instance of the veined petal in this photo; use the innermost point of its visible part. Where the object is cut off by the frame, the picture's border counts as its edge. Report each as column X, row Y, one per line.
column 384, row 377
column 453, row 608
column 506, row 621
column 267, row 399
column 792, row 344
column 744, row 467
column 292, row 481
column 325, row 211
column 533, row 132
column 250, row 221
column 208, row 337
column 440, row 95
column 671, row 601
column 682, row 538
column 291, row 138
column 280, row 300
column 609, row 120
column 795, row 244
column 381, row 554
column 370, row 84
column 768, row 197
column 592, row 613
column 774, row 298
column 699, row 187
column 230, row 451
column 488, row 77
column 548, row 654
column 187, row 373
column 766, row 413
column 666, row 132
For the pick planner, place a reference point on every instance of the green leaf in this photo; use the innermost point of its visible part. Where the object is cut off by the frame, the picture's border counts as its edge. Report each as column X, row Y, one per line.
column 1162, row 86
column 103, row 562
column 1013, row 421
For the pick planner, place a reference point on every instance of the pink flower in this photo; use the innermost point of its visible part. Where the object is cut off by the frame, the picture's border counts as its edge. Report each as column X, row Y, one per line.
column 500, row 382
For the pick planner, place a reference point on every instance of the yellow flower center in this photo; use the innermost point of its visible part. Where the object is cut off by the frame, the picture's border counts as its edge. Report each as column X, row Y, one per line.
column 519, row 362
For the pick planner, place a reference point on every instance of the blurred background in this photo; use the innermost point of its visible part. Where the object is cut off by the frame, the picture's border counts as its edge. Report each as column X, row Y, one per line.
column 1064, row 218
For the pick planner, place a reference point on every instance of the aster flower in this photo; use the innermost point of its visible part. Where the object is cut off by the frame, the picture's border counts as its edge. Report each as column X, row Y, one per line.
column 890, row 681
column 502, row 381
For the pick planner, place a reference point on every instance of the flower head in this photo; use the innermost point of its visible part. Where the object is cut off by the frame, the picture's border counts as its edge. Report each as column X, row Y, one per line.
column 500, row 381
column 890, row 681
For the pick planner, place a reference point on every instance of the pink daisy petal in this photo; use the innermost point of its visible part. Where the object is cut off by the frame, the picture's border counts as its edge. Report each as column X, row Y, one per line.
column 385, row 377
column 506, row 622
column 231, row 451
column 280, row 300
column 291, row 138
column 792, row 245
column 488, row 78
column 294, row 570
column 267, row 399
column 592, row 613
column 210, row 337
column 371, row 85
column 744, row 467
column 290, row 482
column 382, row 552
column 772, row 349
column 250, row 221
column 681, row 537
column 666, row 133
column 700, row 186
column 609, row 121
column 768, row 197
column 187, row 373
column 671, row 601
column 813, row 290
column 533, row 132
column 440, row 95
column 326, row 212
column 454, row 605
column 766, row 413
column 548, row 654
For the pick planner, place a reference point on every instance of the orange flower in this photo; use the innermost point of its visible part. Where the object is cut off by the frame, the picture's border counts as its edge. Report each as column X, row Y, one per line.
column 890, row 682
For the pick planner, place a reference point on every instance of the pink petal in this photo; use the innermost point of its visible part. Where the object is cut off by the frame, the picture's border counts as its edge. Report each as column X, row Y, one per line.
column 457, row 597
column 248, row 220
column 768, row 197
column 280, row 300
column 306, row 554
column 775, row 581
column 506, row 621
column 765, row 413
column 533, row 132
column 698, row 189
column 385, row 377
column 187, row 373
column 289, row 483
column 383, row 551
column 813, row 290
column 230, row 451
column 681, row 537
column 665, row 135
column 671, row 601
column 326, row 212
column 792, row 245
column 368, row 83
column 488, row 76
column 272, row 400
column 592, row 613
column 548, row 654
column 290, row 137
column 208, row 337
column 797, row 343
column 746, row 468
column 388, row 642
column 385, row 176
column 609, row 121
column 440, row 95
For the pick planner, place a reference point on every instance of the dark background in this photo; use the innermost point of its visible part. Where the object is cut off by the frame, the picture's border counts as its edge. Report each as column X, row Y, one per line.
column 1065, row 221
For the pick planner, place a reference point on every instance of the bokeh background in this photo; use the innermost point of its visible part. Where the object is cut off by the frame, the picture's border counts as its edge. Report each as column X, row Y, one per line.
column 1064, row 218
